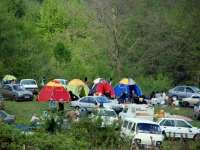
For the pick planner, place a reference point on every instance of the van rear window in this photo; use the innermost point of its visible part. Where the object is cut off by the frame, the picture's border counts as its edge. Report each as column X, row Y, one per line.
column 125, row 124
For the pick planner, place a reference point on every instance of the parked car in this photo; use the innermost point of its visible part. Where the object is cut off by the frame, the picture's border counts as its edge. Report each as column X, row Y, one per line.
column 180, row 92
column 142, row 132
column 91, row 102
column 142, row 111
column 30, row 84
column 178, row 128
column 196, row 111
column 190, row 101
column 107, row 115
column 7, row 118
column 15, row 92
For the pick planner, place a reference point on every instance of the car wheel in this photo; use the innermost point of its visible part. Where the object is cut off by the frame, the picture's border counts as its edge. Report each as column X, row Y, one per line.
column 197, row 137
column 164, row 134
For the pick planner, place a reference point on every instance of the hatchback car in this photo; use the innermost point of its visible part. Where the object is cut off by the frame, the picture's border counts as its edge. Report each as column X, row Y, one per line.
column 142, row 132
column 7, row 118
column 180, row 92
column 91, row 102
column 108, row 116
column 196, row 111
column 190, row 101
column 30, row 84
column 15, row 92
column 178, row 128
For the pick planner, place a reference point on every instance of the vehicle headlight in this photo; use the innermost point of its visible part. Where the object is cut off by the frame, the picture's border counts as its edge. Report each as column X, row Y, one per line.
column 158, row 143
column 137, row 141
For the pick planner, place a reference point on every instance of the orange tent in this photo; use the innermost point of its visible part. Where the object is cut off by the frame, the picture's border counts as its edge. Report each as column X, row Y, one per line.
column 55, row 91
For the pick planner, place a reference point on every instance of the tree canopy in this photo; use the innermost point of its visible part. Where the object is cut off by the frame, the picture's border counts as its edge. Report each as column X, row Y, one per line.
column 107, row 38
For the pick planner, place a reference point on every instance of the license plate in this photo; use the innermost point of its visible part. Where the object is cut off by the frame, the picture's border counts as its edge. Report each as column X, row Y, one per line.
column 26, row 96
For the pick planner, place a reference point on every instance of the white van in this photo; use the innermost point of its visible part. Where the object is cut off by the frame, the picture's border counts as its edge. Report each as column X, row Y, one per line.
column 142, row 111
column 143, row 133
column 30, row 84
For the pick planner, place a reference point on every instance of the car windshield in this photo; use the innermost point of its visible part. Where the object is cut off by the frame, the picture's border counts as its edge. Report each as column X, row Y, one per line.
column 148, row 128
column 18, row 88
column 196, row 89
column 28, row 82
column 102, row 99
column 107, row 113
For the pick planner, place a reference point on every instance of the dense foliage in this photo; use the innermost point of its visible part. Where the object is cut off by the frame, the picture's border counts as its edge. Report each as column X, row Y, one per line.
column 108, row 38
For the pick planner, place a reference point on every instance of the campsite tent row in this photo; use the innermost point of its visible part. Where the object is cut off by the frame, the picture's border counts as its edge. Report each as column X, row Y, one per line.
column 56, row 91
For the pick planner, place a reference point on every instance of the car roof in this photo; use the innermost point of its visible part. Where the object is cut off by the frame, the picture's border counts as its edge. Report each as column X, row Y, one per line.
column 11, row 85
column 93, row 96
column 27, row 79
column 139, row 120
column 107, row 109
column 173, row 119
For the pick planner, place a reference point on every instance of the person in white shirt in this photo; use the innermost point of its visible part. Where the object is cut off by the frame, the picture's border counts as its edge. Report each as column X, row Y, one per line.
column 34, row 120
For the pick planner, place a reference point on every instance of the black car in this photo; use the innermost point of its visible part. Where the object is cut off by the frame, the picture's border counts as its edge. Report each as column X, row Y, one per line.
column 15, row 92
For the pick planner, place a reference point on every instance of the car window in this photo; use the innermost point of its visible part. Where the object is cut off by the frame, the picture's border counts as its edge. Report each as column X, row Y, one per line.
column 162, row 123
column 102, row 99
column 125, row 124
column 28, row 82
column 189, row 90
column 196, row 97
column 18, row 88
column 180, row 123
column 179, row 89
column 84, row 100
column 169, row 123
column 148, row 128
column 91, row 100
column 129, row 125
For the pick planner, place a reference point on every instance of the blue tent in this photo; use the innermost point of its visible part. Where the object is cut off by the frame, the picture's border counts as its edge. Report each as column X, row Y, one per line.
column 120, row 88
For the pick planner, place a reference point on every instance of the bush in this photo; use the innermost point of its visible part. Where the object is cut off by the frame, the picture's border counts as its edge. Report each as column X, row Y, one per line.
column 158, row 83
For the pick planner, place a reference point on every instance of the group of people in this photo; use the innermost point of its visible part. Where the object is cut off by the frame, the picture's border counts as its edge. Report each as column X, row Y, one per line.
column 131, row 98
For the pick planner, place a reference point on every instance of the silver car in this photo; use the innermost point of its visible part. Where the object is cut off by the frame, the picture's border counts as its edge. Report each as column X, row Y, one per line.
column 16, row 92
column 184, row 91
column 91, row 102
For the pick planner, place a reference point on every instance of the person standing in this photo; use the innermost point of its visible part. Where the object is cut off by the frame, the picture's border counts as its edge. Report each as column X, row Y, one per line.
column 52, row 105
column 61, row 106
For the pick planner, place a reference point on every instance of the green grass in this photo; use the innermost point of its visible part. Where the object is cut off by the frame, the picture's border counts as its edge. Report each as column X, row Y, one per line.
column 24, row 110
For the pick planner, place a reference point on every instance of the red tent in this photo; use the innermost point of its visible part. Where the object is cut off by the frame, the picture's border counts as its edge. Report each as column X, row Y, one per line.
column 53, row 90
column 105, row 88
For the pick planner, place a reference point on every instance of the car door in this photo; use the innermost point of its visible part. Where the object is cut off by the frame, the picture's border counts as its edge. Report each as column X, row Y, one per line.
column 189, row 92
column 180, row 92
column 84, row 102
column 184, row 129
column 168, row 126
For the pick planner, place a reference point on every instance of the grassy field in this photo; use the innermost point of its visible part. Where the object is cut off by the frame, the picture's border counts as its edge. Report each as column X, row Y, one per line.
column 24, row 110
